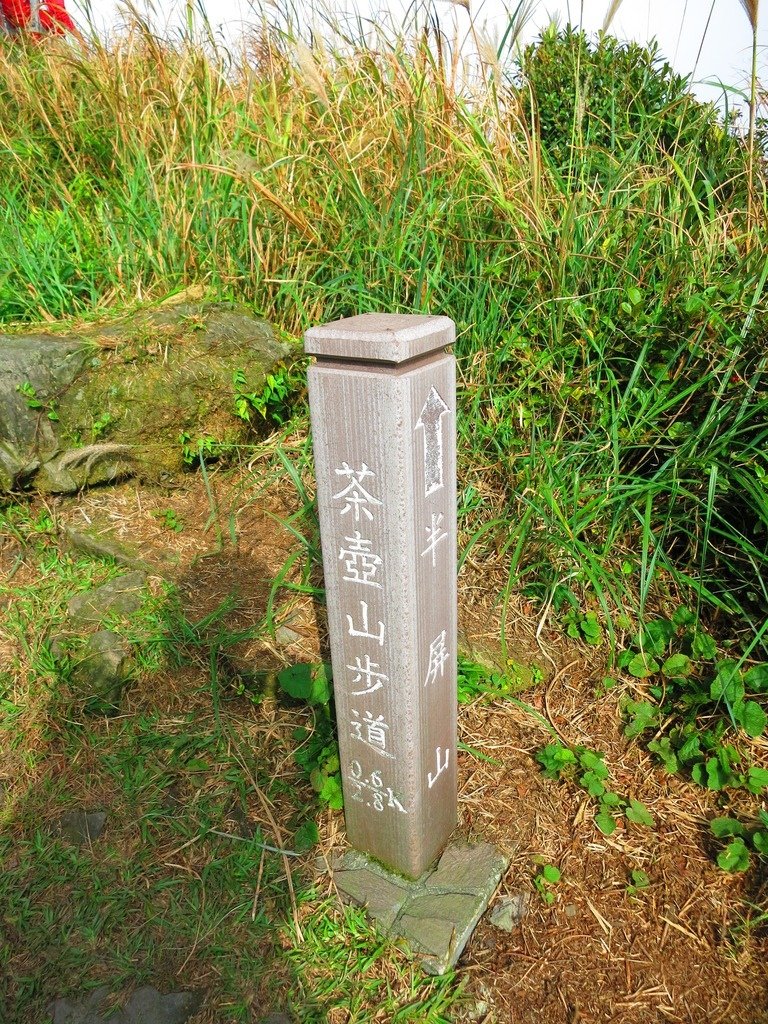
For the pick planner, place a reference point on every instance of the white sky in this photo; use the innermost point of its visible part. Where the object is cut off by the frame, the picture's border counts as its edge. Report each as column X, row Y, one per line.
column 678, row 25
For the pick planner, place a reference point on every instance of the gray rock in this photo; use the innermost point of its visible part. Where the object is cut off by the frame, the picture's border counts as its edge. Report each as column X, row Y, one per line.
column 87, row 466
column 102, row 672
column 80, row 828
column 47, row 365
column 286, row 636
column 124, row 393
column 101, row 543
column 122, row 596
column 145, row 1006
column 509, row 911
column 436, row 914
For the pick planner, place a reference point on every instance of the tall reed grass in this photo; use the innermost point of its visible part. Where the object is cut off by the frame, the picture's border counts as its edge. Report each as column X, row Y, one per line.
column 610, row 301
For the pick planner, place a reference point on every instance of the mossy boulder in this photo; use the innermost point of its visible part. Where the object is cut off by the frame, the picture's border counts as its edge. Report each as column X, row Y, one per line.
column 130, row 392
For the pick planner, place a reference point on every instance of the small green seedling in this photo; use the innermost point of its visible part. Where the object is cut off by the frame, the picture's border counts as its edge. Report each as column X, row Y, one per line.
column 639, row 881
column 587, row 769
column 547, row 876
column 34, row 401
column 736, row 856
column 101, row 425
column 171, row 520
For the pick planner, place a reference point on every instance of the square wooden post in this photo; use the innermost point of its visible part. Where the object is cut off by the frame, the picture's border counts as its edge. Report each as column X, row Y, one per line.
column 382, row 398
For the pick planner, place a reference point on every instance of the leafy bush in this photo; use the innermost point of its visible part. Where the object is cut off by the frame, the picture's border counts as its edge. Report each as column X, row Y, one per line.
column 597, row 102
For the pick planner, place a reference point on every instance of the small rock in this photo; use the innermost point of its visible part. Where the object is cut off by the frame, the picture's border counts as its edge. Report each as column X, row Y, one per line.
column 102, row 672
column 509, row 911
column 121, row 596
column 80, row 828
column 145, row 1006
column 87, row 466
column 571, row 911
column 102, row 545
column 286, row 636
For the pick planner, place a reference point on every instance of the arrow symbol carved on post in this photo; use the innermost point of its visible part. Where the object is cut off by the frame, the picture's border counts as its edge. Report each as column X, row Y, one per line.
column 430, row 421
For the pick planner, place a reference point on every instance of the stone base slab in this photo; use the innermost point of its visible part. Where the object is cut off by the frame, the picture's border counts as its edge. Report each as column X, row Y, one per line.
column 436, row 914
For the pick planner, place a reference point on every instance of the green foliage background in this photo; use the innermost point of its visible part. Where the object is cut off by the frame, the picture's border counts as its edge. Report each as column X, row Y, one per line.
column 583, row 219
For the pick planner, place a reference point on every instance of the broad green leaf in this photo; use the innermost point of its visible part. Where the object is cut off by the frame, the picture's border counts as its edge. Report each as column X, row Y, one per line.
column 296, row 681
column 683, row 617
column 306, row 682
column 751, row 717
column 606, row 822
column 642, row 666
column 640, row 879
column 306, row 836
column 717, row 777
column 757, row 780
column 592, row 783
column 656, row 636
column 756, row 679
column 639, row 814
column 677, row 665
column 722, row 828
column 760, row 843
column 704, row 646
column 643, row 715
column 663, row 750
column 690, row 749
column 727, row 684
column 555, row 758
column 735, row 857
column 331, row 793
column 592, row 630
column 594, row 762
column 550, row 873
column 609, row 799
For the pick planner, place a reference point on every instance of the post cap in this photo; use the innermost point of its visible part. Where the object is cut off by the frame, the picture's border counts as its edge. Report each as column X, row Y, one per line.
column 380, row 337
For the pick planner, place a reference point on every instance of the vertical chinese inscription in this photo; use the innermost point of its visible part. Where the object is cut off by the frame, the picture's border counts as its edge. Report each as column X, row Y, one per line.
column 382, row 402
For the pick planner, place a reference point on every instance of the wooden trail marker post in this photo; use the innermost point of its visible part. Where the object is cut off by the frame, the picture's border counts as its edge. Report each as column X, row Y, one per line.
column 382, row 399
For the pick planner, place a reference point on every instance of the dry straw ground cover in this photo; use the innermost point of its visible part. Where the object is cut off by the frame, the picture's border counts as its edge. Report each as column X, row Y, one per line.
column 599, row 238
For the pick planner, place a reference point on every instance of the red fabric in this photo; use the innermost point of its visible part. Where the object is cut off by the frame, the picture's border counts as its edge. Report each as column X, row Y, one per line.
column 53, row 15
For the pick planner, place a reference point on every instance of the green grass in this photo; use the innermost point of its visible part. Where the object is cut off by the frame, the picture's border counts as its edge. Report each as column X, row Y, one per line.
column 187, row 887
column 600, row 258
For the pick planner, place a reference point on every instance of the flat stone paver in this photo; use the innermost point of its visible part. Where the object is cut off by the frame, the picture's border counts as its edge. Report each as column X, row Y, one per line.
column 122, row 596
column 80, row 828
column 436, row 914
column 145, row 1006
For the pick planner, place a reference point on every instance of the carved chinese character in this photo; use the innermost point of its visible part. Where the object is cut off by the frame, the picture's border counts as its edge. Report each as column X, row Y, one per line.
column 435, row 534
column 438, row 655
column 360, row 562
column 370, row 731
column 441, row 766
column 357, row 497
column 364, row 631
column 365, row 673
